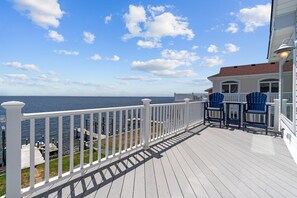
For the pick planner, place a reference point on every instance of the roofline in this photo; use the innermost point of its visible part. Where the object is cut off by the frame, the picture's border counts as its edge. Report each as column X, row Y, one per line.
column 247, row 75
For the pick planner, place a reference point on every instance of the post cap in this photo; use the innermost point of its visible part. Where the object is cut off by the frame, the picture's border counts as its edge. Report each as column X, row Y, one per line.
column 187, row 99
column 12, row 105
column 146, row 101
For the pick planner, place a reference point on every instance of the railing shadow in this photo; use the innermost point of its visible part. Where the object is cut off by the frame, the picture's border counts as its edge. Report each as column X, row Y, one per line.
column 118, row 168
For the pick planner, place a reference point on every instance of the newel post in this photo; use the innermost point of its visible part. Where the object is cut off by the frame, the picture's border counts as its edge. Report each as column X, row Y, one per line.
column 13, row 147
column 277, row 111
column 187, row 100
column 146, row 122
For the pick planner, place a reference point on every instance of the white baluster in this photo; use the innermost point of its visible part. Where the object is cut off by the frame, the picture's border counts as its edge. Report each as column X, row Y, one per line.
column 32, row 153
column 82, row 134
column 71, row 143
column 60, row 149
column 91, row 138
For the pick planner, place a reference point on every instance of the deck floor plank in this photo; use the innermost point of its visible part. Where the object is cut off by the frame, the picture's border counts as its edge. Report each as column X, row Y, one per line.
column 150, row 179
column 128, row 185
column 139, row 184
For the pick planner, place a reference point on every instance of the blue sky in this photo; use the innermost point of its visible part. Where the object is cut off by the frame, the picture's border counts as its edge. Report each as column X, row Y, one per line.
column 126, row 48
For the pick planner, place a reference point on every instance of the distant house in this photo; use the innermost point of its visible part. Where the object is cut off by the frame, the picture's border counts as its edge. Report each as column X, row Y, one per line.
column 244, row 79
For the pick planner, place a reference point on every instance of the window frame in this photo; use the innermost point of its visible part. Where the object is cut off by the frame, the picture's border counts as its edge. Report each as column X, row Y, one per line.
column 229, row 83
column 270, row 81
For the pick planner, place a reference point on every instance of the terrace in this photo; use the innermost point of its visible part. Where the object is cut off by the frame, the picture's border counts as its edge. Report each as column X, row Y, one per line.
column 150, row 150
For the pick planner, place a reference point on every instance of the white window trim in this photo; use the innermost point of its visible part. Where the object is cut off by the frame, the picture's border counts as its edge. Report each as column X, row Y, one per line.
column 259, row 83
column 237, row 82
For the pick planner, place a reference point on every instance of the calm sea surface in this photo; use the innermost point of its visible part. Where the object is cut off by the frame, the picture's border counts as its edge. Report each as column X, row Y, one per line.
column 46, row 104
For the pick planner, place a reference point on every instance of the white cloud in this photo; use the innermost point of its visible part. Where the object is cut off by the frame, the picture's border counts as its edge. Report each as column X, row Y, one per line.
column 169, row 63
column 183, row 55
column 155, row 27
column 66, row 52
column 156, row 9
column 174, row 73
column 17, row 76
column 107, row 19
column 157, row 65
column 114, row 58
column 51, row 72
column 149, row 44
column 43, row 77
column 43, row 13
column 96, row 57
column 89, row 37
column 55, row 36
column 18, row 65
column 212, row 61
column 255, row 17
column 137, row 78
column 233, row 28
column 231, row 48
column 213, row 49
column 163, row 67
column 135, row 16
column 195, row 47
column 167, row 24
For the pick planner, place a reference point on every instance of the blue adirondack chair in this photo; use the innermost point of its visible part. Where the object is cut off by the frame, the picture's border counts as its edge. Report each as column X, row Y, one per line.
column 256, row 104
column 214, row 104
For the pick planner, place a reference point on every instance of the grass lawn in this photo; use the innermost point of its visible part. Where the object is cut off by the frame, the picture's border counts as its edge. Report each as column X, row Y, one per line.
column 53, row 169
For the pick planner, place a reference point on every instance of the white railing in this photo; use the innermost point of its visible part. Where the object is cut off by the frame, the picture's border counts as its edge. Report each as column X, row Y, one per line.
column 119, row 130
column 231, row 97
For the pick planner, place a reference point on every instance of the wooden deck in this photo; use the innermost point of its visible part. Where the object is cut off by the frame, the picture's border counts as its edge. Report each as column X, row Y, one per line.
column 204, row 162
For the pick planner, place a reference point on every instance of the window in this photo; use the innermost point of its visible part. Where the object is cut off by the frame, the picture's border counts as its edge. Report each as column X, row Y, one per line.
column 269, row 85
column 230, row 87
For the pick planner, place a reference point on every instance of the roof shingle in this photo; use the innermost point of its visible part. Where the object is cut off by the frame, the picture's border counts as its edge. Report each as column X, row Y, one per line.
column 262, row 68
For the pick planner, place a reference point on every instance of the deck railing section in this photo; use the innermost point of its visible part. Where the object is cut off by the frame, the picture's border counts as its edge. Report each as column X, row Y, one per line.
column 110, row 132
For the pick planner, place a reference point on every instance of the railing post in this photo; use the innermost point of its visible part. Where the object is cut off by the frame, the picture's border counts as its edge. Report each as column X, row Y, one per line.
column 284, row 107
column 187, row 100
column 13, row 148
column 146, row 122
column 276, row 114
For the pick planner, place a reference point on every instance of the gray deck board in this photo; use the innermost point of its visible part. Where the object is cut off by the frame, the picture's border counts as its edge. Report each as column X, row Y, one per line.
column 150, row 179
column 204, row 162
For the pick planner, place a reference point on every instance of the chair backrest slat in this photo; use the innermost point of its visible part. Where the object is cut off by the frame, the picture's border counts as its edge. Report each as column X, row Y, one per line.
column 256, row 101
column 215, row 100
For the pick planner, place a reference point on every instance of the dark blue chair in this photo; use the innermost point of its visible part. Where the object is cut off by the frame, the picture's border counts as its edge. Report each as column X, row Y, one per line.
column 214, row 104
column 256, row 104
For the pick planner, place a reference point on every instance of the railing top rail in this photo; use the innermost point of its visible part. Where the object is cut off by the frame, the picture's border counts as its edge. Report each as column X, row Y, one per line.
column 76, row 112
column 166, row 104
column 172, row 104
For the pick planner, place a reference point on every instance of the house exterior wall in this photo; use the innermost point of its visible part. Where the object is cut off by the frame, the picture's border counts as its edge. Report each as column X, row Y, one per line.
column 247, row 84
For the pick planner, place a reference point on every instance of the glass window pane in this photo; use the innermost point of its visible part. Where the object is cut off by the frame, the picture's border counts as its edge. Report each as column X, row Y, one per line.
column 274, row 87
column 234, row 88
column 264, row 87
column 225, row 88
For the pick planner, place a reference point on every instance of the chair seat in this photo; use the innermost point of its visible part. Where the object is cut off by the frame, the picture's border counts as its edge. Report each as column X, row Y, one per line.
column 214, row 108
column 255, row 111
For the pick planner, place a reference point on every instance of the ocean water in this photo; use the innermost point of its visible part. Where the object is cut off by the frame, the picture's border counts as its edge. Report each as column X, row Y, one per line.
column 46, row 104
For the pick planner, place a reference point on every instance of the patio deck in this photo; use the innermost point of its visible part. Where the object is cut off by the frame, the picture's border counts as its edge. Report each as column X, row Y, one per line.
column 204, row 162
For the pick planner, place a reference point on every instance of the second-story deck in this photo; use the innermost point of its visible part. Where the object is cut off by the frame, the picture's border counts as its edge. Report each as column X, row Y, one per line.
column 146, row 151
column 203, row 162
